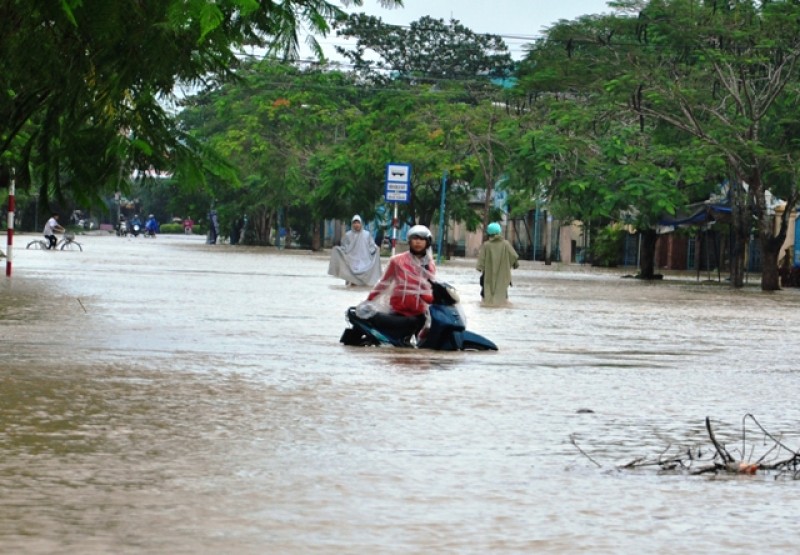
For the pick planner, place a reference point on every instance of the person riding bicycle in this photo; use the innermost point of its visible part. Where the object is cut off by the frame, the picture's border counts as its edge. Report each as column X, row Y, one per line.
column 50, row 228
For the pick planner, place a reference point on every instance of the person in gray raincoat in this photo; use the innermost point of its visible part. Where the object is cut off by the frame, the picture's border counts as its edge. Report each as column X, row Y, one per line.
column 358, row 259
column 496, row 258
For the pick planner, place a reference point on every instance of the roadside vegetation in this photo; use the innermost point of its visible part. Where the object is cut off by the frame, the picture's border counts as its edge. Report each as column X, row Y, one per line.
column 610, row 120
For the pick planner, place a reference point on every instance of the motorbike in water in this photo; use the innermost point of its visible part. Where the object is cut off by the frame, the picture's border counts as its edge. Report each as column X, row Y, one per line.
column 446, row 331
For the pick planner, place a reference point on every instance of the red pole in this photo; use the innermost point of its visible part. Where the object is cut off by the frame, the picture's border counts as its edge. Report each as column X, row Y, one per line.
column 394, row 230
column 10, row 236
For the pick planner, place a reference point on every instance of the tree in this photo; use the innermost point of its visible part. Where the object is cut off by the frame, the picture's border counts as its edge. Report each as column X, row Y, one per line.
column 588, row 158
column 411, row 125
column 82, row 81
column 723, row 73
column 720, row 74
column 458, row 65
column 487, row 128
column 429, row 51
column 279, row 127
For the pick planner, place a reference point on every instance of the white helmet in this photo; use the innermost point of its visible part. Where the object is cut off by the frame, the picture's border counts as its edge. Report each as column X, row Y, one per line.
column 422, row 232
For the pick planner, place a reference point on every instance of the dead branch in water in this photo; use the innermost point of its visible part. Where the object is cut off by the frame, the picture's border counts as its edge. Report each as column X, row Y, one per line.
column 694, row 461
column 721, row 451
column 572, row 440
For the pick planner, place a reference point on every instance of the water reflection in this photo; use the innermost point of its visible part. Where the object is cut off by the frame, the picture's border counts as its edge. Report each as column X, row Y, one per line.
column 169, row 396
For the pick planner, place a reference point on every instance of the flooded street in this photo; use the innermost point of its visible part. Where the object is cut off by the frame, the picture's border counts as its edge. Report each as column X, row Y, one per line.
column 167, row 396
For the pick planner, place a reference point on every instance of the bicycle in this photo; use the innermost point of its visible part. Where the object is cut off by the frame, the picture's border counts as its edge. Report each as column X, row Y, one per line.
column 67, row 242
column 37, row 244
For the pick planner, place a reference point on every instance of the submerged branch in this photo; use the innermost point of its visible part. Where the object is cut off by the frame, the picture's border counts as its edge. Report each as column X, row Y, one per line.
column 582, row 452
column 723, row 453
column 690, row 460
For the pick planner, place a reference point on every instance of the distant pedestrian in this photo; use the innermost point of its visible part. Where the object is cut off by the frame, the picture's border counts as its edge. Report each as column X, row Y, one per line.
column 358, row 260
column 188, row 224
column 213, row 228
column 496, row 258
column 236, row 231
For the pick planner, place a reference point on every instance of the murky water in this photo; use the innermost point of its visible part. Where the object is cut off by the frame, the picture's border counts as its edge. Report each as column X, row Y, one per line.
column 165, row 396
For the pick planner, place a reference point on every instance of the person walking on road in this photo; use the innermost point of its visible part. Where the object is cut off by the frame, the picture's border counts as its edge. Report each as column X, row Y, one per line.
column 358, row 259
column 213, row 228
column 496, row 258
column 50, row 228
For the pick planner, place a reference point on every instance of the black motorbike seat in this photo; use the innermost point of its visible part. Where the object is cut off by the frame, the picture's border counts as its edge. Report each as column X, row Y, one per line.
column 396, row 324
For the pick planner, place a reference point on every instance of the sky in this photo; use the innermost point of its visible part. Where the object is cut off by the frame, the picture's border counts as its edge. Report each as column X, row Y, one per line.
column 518, row 21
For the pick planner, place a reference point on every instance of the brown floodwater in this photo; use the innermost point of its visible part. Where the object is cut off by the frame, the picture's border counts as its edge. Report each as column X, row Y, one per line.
column 168, row 396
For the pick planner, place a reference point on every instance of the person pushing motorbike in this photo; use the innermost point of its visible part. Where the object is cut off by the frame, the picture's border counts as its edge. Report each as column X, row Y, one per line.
column 407, row 279
column 409, row 307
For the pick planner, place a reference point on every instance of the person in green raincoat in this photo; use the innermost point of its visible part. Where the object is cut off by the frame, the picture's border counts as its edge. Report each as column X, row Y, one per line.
column 496, row 258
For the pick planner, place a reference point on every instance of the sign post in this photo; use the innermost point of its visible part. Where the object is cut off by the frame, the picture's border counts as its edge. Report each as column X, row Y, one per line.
column 10, row 235
column 398, row 189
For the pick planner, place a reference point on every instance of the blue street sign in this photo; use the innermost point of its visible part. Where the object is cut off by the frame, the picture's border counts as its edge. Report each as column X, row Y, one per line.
column 398, row 183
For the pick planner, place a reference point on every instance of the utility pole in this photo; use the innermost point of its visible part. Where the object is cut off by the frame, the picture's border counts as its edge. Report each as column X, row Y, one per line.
column 441, row 218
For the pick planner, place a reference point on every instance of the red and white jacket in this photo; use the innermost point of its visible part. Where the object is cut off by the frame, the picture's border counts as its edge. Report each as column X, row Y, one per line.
column 407, row 282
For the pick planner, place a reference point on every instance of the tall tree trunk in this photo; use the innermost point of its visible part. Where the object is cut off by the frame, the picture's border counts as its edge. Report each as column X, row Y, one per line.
column 770, row 254
column 486, row 206
column 770, row 240
column 548, row 232
column 647, row 259
column 738, row 251
column 262, row 225
column 742, row 223
column 316, row 236
column 485, row 155
column 771, row 243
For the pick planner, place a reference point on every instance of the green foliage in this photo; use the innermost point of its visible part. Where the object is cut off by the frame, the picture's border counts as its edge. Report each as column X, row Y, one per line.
column 82, row 83
column 429, row 51
column 282, row 128
column 172, row 228
column 607, row 245
column 314, row 144
column 676, row 99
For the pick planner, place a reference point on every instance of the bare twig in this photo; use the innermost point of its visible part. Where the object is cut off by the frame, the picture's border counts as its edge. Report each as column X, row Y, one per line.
column 719, row 460
column 572, row 440
column 766, row 433
column 723, row 453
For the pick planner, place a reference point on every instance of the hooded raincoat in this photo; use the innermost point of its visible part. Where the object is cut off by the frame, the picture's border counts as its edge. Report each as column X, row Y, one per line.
column 496, row 258
column 357, row 260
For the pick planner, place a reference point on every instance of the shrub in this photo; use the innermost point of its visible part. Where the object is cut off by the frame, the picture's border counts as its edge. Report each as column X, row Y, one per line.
column 171, row 228
column 607, row 246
